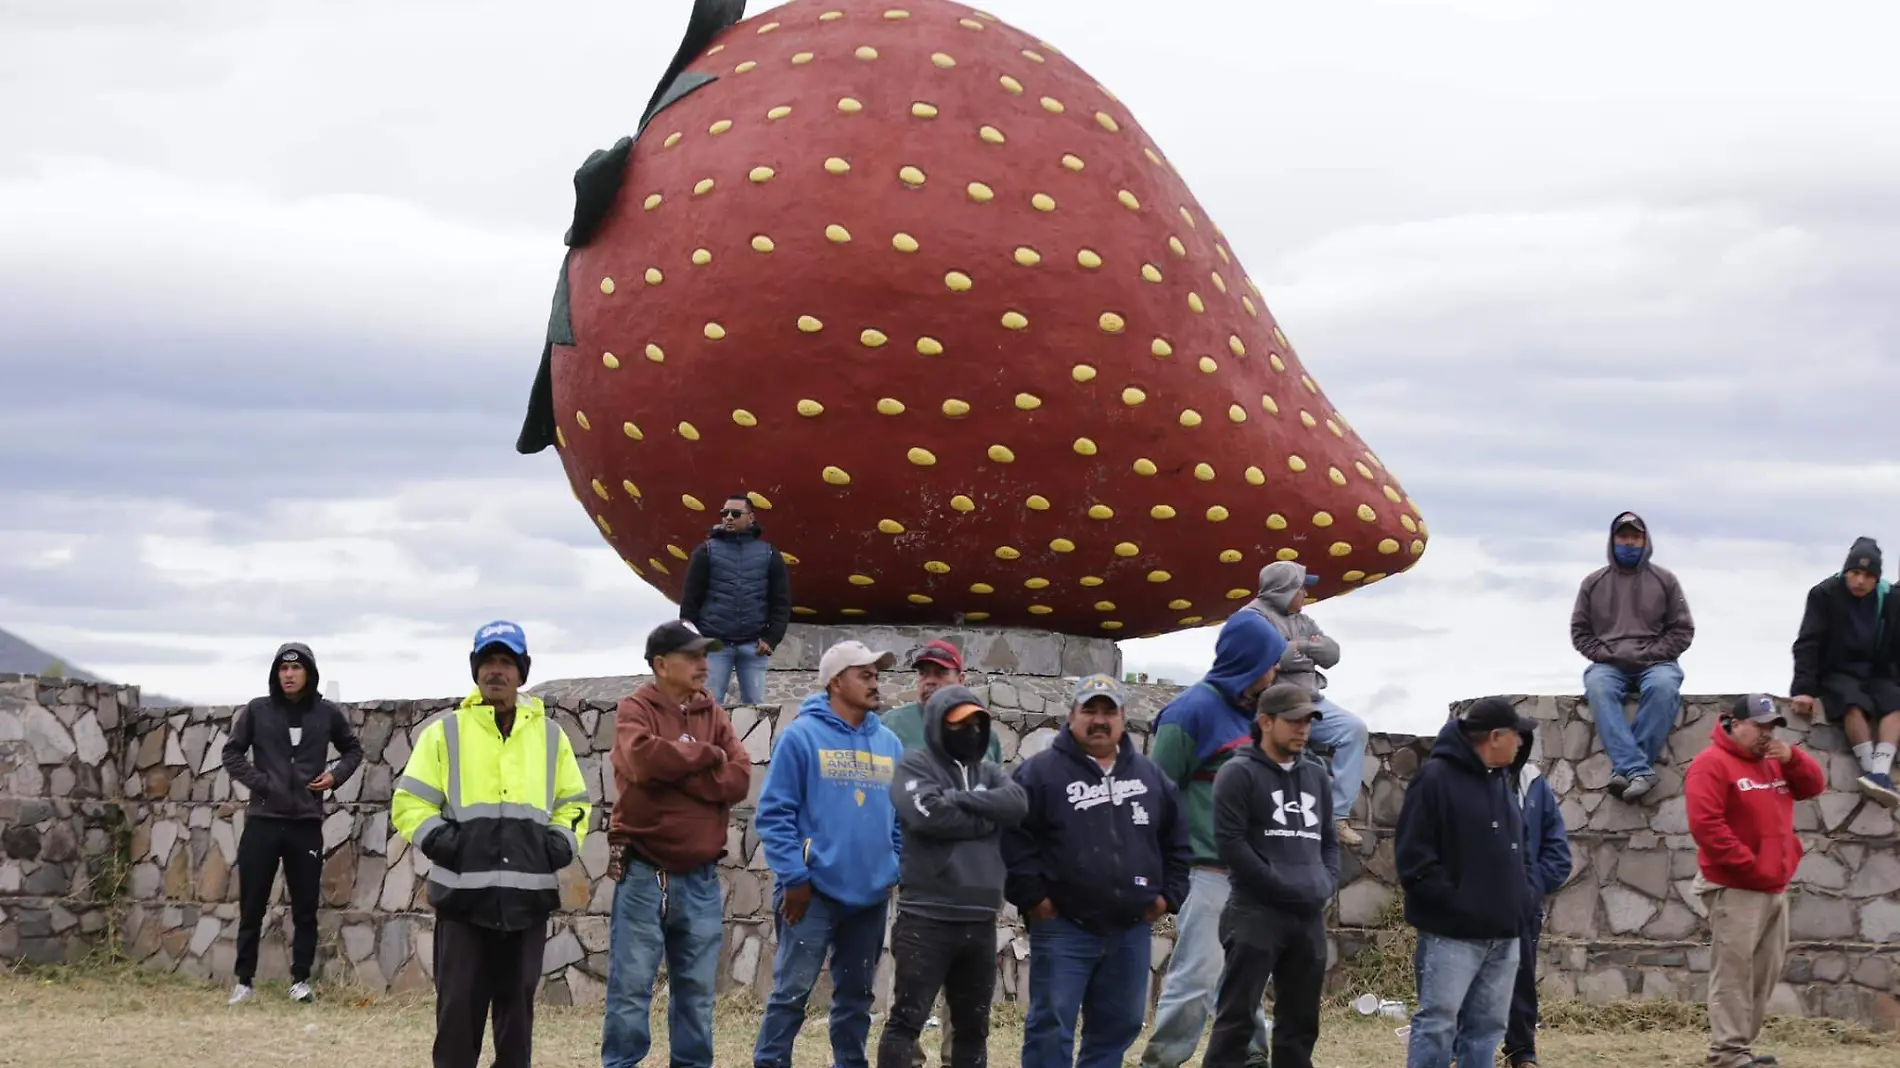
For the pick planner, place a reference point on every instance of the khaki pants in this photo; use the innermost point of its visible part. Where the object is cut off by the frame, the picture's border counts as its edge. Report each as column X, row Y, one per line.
column 1749, row 931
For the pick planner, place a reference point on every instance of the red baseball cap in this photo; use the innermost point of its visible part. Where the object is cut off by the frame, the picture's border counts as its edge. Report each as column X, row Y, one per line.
column 939, row 652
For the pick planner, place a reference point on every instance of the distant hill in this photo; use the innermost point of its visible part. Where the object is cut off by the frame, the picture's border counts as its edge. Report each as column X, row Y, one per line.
column 19, row 656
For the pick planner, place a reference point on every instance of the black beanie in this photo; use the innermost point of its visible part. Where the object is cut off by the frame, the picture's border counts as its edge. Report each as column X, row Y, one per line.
column 1864, row 556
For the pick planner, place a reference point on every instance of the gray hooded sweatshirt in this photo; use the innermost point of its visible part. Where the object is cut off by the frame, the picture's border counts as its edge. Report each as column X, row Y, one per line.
column 1307, row 648
column 953, row 813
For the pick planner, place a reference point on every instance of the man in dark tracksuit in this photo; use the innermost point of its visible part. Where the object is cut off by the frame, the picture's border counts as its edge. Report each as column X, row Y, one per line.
column 1847, row 660
column 279, row 749
column 1101, row 855
column 953, row 806
column 1273, row 825
column 738, row 591
column 1547, row 863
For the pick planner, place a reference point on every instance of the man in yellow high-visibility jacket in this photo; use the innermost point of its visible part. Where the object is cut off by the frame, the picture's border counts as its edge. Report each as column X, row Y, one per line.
column 493, row 797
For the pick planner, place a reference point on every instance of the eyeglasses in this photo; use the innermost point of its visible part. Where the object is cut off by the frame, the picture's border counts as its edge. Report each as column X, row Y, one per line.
column 731, row 513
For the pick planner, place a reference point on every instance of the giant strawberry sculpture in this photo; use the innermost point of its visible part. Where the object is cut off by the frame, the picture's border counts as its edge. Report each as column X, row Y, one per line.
column 928, row 293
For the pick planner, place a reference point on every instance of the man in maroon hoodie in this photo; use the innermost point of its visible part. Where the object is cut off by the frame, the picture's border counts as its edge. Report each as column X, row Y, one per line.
column 680, row 768
column 1741, row 792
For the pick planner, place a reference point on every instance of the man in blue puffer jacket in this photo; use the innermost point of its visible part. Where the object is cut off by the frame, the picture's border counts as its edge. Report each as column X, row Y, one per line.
column 1547, row 862
column 831, row 837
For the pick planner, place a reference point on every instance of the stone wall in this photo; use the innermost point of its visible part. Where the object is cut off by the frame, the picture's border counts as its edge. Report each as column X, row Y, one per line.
column 121, row 824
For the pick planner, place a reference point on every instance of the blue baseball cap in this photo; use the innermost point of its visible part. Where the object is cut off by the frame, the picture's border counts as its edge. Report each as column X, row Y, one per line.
column 503, row 633
column 1312, row 579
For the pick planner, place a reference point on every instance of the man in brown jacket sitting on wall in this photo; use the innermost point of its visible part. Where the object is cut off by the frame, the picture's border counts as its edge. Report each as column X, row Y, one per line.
column 680, row 768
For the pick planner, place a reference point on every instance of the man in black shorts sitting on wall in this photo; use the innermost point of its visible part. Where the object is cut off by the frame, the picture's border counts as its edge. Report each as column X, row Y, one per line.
column 1847, row 660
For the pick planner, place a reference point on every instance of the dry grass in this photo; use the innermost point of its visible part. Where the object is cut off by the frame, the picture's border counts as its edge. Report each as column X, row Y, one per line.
column 67, row 1019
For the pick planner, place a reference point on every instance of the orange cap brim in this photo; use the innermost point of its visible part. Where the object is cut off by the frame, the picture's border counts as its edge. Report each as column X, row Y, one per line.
column 961, row 713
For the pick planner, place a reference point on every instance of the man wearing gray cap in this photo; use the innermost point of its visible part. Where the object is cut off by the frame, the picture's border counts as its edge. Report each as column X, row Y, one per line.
column 1741, row 792
column 1282, row 599
column 832, row 840
column 1273, row 824
column 954, row 807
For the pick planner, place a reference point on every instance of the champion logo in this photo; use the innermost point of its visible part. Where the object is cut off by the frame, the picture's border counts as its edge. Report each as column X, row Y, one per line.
column 1302, row 807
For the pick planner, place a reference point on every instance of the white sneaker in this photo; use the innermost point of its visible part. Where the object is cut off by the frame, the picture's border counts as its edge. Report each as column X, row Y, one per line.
column 241, row 992
column 302, row 992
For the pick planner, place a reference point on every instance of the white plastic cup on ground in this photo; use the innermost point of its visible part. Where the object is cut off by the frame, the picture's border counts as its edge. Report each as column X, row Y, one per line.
column 1366, row 1004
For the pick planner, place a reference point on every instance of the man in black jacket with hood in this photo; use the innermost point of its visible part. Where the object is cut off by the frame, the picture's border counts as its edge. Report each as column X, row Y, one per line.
column 1102, row 855
column 1461, row 862
column 1847, row 661
column 280, row 750
column 1273, row 825
column 953, row 806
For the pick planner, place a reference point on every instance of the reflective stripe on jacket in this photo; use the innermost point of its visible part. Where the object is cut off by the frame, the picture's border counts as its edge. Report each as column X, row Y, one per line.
column 506, row 798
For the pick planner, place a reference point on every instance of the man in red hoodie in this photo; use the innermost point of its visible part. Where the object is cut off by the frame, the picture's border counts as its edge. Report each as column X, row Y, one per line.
column 1741, row 792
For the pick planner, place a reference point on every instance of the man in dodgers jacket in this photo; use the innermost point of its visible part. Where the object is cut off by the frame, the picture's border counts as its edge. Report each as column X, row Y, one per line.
column 1101, row 855
column 1741, row 792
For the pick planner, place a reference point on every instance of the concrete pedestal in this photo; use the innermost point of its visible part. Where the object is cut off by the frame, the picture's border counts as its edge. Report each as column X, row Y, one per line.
column 990, row 650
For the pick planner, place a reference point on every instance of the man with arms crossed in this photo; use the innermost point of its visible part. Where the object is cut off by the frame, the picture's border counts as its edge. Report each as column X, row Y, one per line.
column 679, row 768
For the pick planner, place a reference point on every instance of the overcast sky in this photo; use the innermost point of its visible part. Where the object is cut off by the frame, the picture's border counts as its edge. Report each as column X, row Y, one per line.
column 274, row 276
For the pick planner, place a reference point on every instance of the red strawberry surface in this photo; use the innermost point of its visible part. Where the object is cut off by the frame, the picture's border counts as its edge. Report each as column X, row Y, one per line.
column 924, row 289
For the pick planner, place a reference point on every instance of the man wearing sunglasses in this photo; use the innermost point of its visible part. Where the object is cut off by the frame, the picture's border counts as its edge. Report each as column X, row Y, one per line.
column 739, row 592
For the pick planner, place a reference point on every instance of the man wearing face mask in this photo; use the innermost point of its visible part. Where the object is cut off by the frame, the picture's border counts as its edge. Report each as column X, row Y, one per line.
column 1195, row 735
column 1632, row 622
column 954, row 807
column 1741, row 792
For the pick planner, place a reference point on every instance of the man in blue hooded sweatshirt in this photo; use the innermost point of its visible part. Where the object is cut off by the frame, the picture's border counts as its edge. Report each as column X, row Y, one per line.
column 1195, row 734
column 832, row 840
column 1547, row 863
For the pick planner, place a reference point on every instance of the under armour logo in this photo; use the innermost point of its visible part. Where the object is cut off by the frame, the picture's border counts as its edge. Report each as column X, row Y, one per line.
column 1304, row 806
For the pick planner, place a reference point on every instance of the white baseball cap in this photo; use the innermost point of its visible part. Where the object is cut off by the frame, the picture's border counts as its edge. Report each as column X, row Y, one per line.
column 850, row 654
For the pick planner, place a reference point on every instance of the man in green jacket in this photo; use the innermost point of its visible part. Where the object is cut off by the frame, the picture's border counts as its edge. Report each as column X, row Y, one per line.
column 938, row 664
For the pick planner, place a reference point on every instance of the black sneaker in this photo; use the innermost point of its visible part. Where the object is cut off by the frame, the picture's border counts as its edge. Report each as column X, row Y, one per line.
column 1618, row 783
column 1765, row 1060
column 1638, row 787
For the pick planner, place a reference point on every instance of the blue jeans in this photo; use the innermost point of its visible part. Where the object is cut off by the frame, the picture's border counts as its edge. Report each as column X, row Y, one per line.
column 1464, row 1000
column 1187, row 994
column 1102, row 978
column 855, row 942
column 1345, row 734
column 1633, row 750
column 750, row 664
column 680, row 920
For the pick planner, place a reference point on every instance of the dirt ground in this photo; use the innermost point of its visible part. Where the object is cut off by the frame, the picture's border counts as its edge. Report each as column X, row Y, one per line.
column 114, row 1020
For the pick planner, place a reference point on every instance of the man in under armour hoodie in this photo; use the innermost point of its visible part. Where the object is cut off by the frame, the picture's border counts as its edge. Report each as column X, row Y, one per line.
column 1273, row 824
column 953, row 806
column 280, row 750
column 1460, row 858
column 1195, row 734
column 831, row 837
column 1632, row 622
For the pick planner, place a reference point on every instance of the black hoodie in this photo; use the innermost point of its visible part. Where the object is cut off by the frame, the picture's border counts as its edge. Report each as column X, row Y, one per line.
column 1275, row 832
column 1460, row 846
column 953, row 814
column 278, row 746
column 1858, row 636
